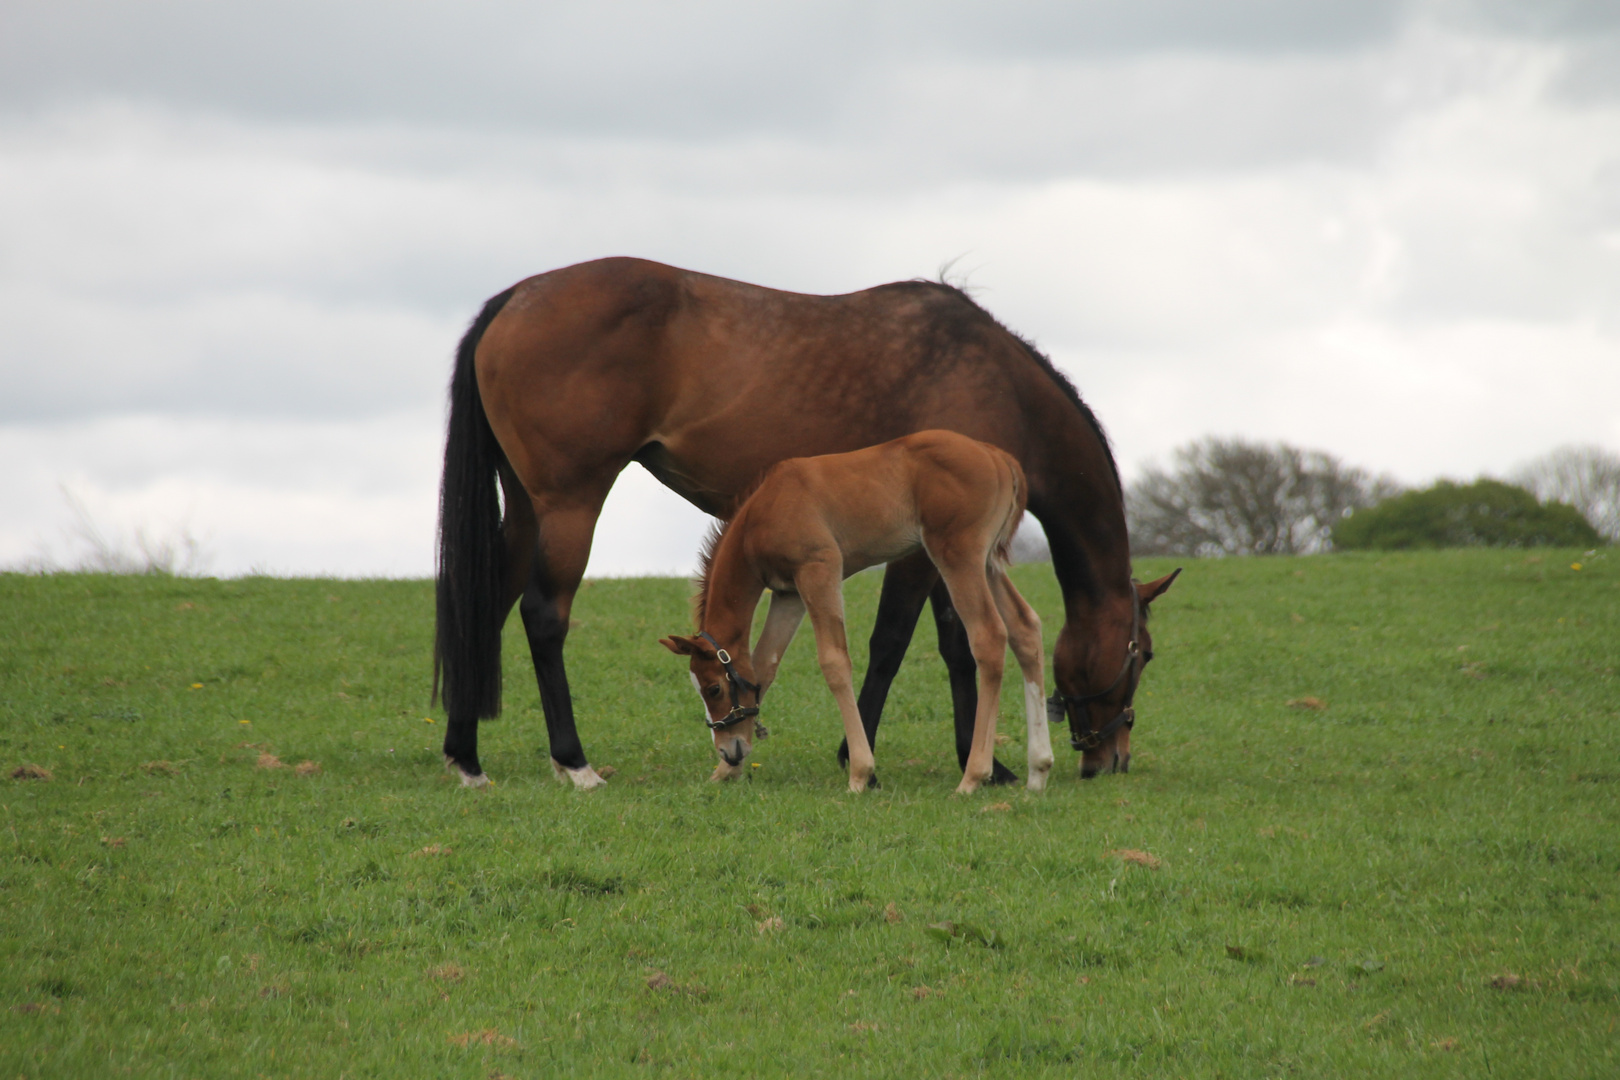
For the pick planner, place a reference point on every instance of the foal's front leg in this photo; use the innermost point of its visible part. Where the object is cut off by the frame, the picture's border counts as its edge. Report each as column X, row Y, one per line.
column 821, row 587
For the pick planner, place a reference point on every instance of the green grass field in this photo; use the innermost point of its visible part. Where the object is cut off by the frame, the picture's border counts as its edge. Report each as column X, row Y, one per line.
column 1420, row 879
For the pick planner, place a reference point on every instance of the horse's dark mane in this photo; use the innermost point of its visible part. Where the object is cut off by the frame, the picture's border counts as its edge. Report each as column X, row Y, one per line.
column 1044, row 362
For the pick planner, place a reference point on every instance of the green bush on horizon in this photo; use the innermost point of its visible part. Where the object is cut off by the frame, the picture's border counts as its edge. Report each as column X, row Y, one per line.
column 1486, row 513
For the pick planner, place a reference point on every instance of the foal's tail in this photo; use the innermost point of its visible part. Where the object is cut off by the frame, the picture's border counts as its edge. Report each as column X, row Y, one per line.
column 1015, row 512
column 467, row 635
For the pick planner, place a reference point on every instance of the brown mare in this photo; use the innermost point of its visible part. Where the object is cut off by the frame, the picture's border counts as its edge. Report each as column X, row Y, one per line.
column 566, row 378
column 815, row 521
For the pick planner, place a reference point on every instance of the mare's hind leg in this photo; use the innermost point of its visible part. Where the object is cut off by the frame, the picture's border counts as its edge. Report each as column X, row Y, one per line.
column 958, row 655
column 519, row 533
column 564, row 546
column 906, row 583
column 1024, row 634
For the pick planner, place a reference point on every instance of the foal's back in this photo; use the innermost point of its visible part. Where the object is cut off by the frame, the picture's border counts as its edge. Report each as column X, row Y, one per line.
column 933, row 489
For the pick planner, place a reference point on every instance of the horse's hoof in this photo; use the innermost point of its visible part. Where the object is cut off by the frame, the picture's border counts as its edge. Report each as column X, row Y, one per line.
column 1037, row 778
column 1000, row 774
column 584, row 778
column 468, row 779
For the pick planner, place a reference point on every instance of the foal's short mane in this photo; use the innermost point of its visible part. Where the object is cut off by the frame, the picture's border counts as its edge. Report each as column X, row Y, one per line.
column 711, row 544
column 1042, row 361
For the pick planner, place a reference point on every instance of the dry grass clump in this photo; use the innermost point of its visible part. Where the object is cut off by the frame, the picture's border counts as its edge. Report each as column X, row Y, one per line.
column 31, row 772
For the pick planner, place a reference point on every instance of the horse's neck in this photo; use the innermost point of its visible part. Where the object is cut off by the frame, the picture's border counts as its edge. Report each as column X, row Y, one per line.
column 733, row 595
column 1083, row 515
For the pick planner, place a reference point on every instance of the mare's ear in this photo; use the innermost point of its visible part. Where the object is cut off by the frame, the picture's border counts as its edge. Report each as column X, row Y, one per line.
column 1155, row 589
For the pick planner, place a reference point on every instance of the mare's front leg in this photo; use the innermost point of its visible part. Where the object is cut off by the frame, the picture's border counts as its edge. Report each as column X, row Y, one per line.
column 957, row 652
column 905, row 589
column 822, row 587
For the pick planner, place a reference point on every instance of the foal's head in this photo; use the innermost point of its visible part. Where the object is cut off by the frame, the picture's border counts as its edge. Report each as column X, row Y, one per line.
column 1097, row 680
column 725, row 682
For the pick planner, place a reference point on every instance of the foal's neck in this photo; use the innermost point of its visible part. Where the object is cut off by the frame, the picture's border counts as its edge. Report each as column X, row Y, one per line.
column 732, row 592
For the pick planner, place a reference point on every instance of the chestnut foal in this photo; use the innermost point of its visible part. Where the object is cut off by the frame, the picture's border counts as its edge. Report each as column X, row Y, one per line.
column 813, row 522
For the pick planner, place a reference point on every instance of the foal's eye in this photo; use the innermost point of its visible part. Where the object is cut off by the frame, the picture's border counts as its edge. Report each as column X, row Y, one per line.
column 713, row 691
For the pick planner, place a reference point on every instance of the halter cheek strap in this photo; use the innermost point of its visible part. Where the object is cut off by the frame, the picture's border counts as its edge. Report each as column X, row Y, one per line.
column 737, row 683
column 1059, row 704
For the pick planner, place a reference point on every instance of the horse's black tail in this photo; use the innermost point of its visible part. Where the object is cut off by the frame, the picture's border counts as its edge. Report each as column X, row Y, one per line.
column 467, row 634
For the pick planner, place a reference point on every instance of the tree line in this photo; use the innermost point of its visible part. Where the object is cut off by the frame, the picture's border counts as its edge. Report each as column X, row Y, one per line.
column 1237, row 497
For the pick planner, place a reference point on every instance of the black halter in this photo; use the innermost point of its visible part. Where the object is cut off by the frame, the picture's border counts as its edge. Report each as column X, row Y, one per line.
column 1058, row 705
column 738, row 684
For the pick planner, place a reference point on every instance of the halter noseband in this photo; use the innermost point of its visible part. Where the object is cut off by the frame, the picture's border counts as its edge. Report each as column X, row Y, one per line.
column 738, row 713
column 1058, row 705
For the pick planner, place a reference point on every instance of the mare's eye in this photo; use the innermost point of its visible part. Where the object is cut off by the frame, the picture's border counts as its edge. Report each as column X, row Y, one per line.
column 713, row 691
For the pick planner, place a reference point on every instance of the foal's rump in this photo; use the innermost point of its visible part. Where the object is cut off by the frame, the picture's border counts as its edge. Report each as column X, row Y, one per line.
column 957, row 476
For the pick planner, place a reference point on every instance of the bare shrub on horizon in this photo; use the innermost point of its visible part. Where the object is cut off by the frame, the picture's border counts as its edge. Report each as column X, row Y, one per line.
column 175, row 554
column 1235, row 497
column 1587, row 477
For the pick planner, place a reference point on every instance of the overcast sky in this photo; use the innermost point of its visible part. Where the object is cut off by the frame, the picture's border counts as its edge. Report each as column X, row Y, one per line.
column 238, row 242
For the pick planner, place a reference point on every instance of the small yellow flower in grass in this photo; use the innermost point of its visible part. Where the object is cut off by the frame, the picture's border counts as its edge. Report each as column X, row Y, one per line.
column 245, row 723
column 756, row 764
column 196, row 686
column 1574, row 566
column 427, row 719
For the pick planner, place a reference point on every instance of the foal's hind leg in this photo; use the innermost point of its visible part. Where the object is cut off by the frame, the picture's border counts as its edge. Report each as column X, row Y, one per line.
column 1024, row 634
column 987, row 637
column 957, row 653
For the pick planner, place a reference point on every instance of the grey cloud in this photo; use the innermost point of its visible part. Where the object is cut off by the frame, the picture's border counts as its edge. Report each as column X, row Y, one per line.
column 639, row 68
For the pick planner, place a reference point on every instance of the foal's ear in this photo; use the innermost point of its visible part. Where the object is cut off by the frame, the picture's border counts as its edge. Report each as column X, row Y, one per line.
column 685, row 646
column 1155, row 589
column 678, row 645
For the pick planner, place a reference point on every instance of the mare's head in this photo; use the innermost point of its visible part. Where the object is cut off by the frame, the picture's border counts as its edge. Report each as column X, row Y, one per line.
column 725, row 682
column 1097, row 680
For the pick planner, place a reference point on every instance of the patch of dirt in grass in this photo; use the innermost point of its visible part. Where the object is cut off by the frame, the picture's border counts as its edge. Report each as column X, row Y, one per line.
column 307, row 768
column 1140, row 858
column 487, row 1037
column 1314, row 703
column 923, row 992
column 160, row 768
column 662, row 983
column 1507, row 980
column 771, row 925
column 268, row 760
column 891, row 914
column 113, row 841
column 449, row 973
column 31, row 772
column 996, row 808
column 430, row 850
